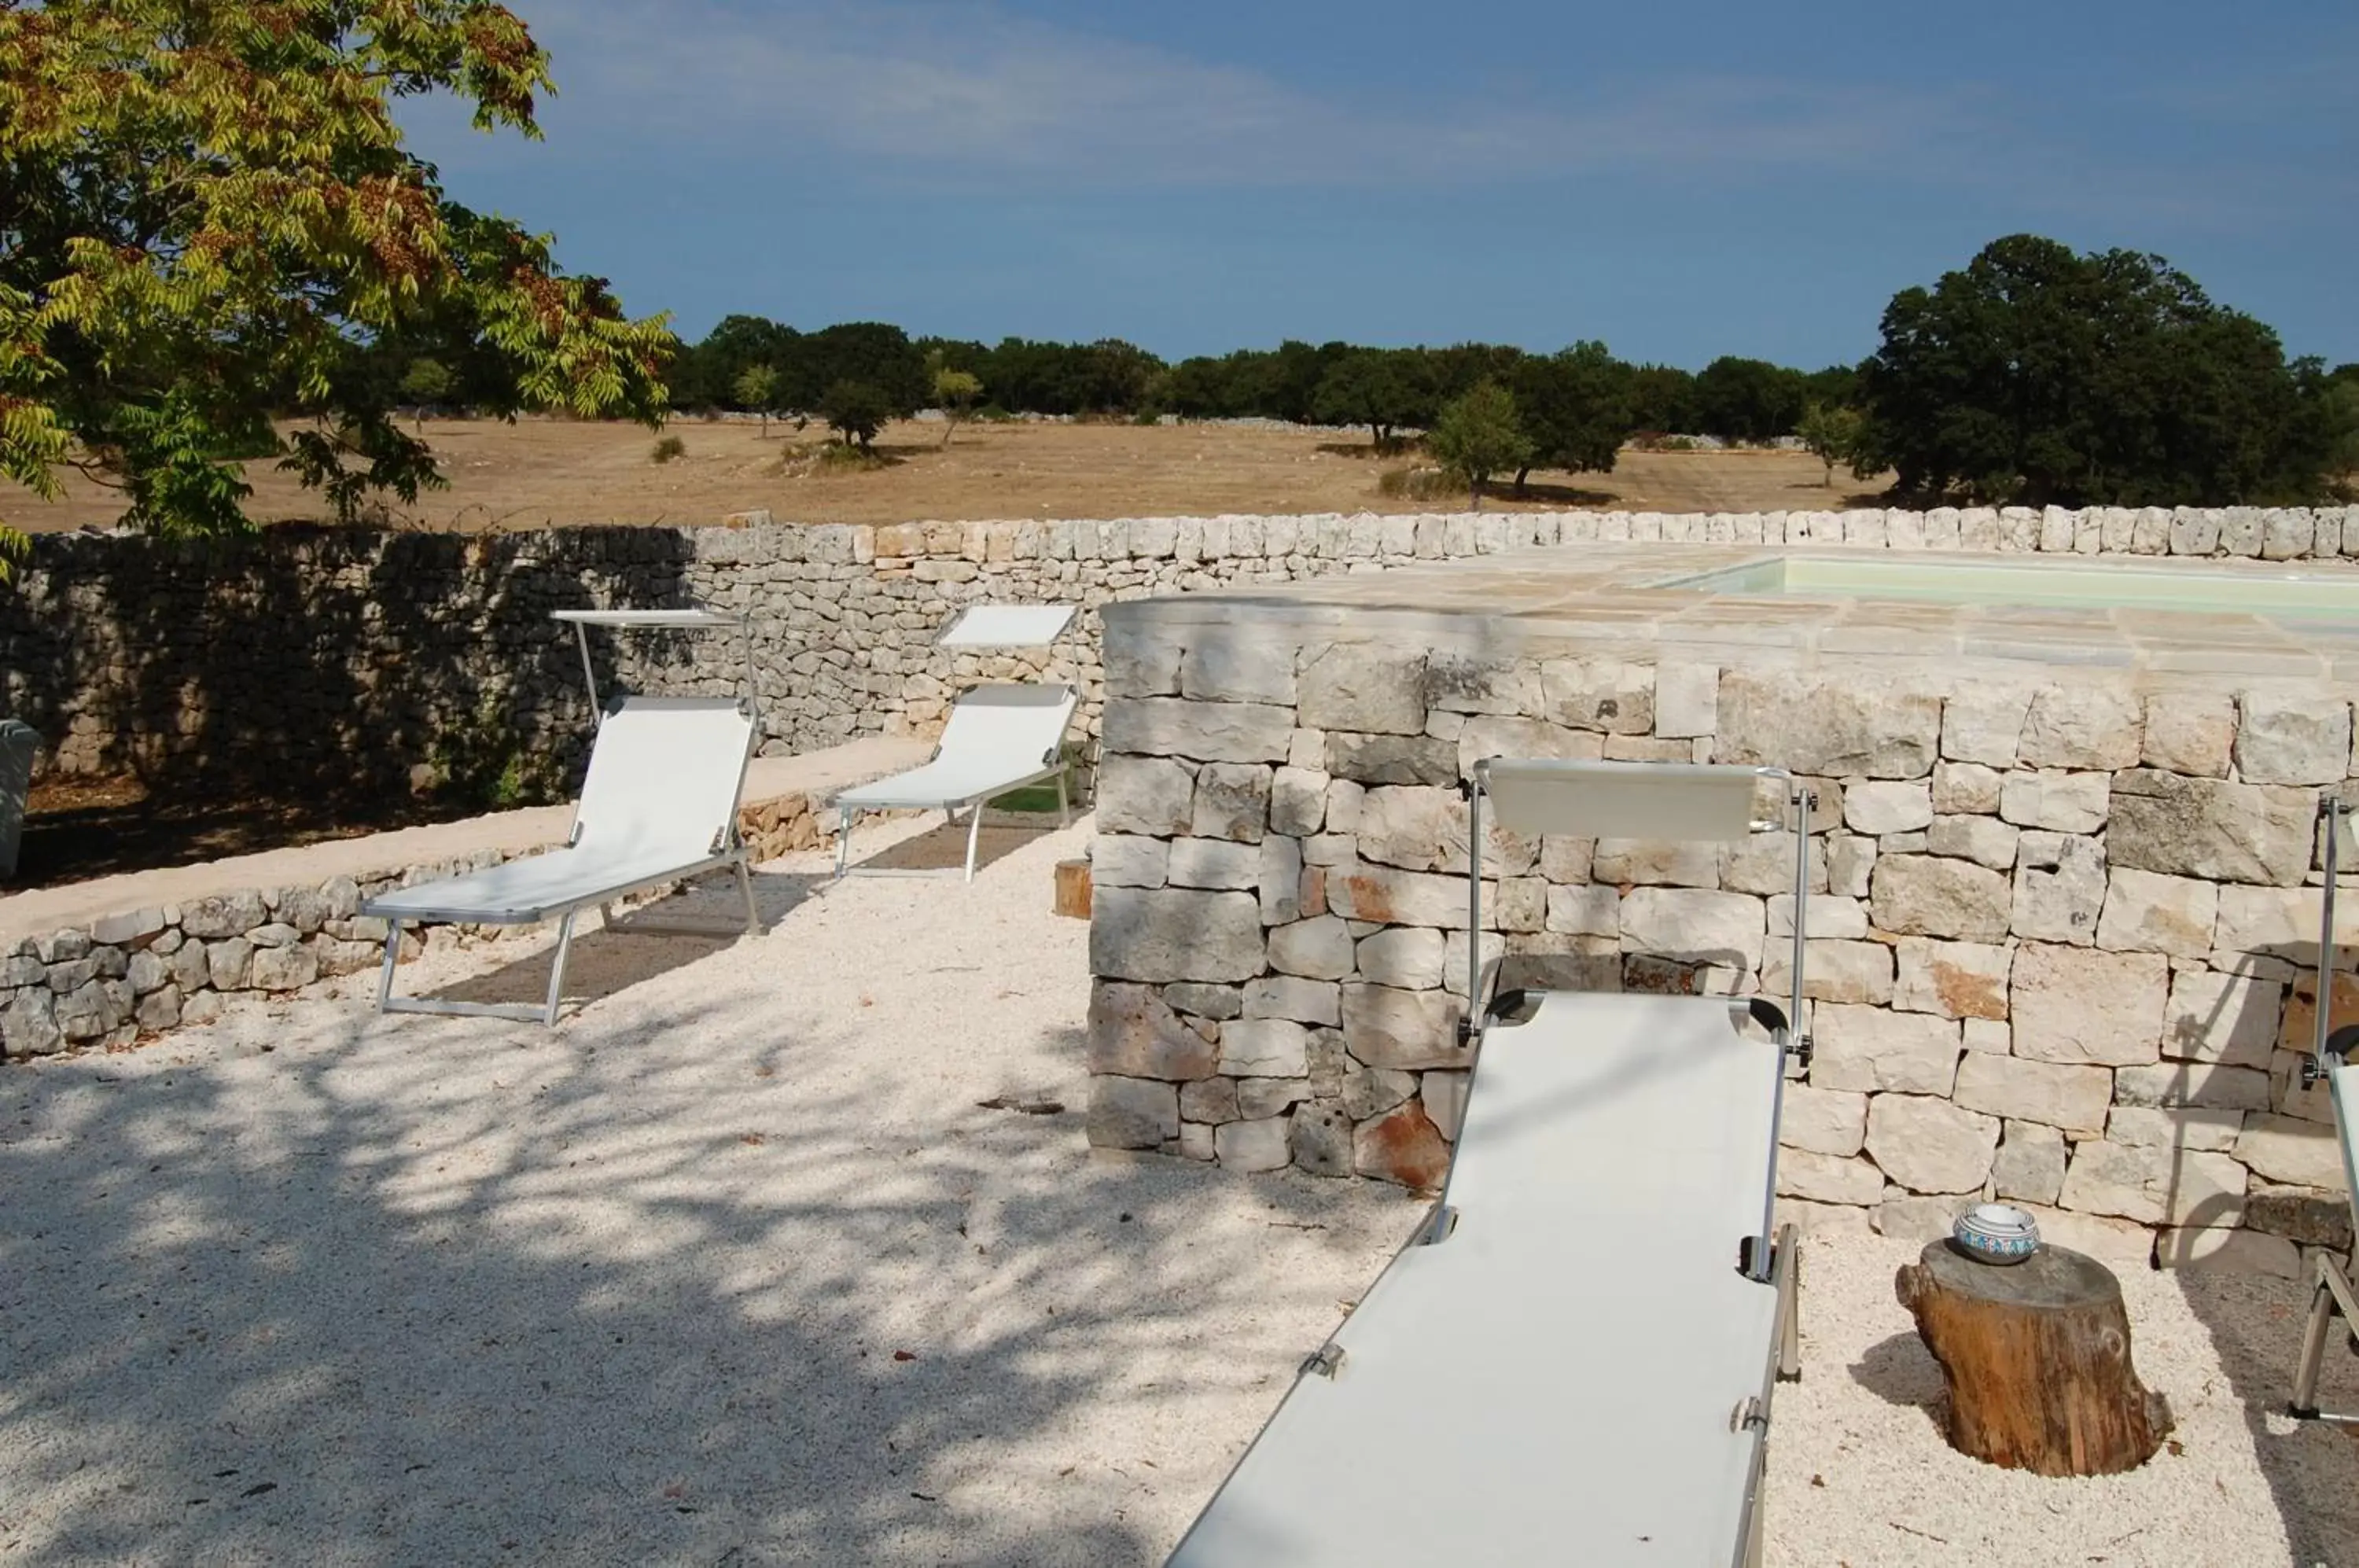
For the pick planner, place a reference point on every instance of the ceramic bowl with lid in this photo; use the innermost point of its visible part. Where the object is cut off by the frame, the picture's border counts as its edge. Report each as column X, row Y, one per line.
column 1997, row 1232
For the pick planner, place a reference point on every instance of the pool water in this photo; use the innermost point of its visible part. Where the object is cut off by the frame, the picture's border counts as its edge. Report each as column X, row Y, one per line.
column 2110, row 586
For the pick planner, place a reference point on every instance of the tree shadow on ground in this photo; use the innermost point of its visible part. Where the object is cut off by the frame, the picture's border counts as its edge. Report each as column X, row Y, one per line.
column 444, row 1292
column 943, row 848
column 1551, row 494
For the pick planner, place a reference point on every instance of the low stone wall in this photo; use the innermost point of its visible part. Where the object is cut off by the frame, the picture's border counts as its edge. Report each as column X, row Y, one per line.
column 367, row 660
column 2059, row 938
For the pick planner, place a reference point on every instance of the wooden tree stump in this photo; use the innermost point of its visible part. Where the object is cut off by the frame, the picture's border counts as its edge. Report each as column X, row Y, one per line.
column 1073, row 888
column 2036, row 1355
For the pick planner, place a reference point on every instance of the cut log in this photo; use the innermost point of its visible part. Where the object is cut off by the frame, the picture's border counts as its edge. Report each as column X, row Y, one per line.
column 1073, row 888
column 2036, row 1355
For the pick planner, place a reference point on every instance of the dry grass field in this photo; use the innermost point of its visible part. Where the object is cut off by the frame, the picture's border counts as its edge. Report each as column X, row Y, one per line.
column 538, row 473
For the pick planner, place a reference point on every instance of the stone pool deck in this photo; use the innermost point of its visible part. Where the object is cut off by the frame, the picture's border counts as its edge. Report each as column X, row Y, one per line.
column 98, row 962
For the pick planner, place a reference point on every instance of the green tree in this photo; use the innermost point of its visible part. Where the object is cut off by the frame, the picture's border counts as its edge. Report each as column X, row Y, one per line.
column 206, row 215
column 1575, row 406
column 1831, row 435
column 757, row 387
column 426, row 382
column 1379, row 388
column 1477, row 435
column 856, row 410
column 1747, row 399
column 2039, row 376
column 955, row 394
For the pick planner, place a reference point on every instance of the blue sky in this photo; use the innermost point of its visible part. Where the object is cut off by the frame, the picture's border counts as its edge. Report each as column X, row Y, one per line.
column 1681, row 180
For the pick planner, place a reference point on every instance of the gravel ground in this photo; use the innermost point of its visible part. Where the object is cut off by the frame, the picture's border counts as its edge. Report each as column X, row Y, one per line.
column 731, row 1268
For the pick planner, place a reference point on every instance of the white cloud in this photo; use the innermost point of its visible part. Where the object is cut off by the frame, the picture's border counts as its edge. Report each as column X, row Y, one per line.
column 920, row 88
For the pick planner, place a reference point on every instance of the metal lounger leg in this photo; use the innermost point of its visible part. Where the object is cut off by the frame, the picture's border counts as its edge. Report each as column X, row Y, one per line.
column 556, row 969
column 752, row 914
column 392, row 956
column 1064, row 805
column 973, row 835
column 2330, row 1297
column 843, row 840
column 1789, row 1309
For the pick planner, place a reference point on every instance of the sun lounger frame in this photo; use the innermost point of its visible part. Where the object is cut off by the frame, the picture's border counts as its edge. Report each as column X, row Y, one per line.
column 2331, row 1293
column 726, row 848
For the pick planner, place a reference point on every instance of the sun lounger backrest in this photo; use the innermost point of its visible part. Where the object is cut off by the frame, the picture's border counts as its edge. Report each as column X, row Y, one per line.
column 664, row 774
column 1621, row 800
column 2342, row 1084
column 1018, row 728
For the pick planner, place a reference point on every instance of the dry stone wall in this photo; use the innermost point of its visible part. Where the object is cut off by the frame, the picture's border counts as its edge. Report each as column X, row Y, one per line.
column 370, row 659
column 2058, row 948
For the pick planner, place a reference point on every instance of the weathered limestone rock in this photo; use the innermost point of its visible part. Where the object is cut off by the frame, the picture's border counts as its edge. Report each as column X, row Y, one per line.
column 1831, row 972
column 2309, row 1216
column 1404, row 1146
column 1905, row 1217
column 1828, row 1179
column 2073, row 1005
column 1224, row 666
column 1455, row 683
column 1153, row 797
column 2290, row 1151
column 1823, row 1121
column 1232, row 802
column 2209, row 828
column 226, row 964
column 2029, row 1165
column 1968, row 789
column 2211, row 1130
column 1983, row 722
column 29, row 1023
column 1210, row 862
column 1687, row 700
column 1444, row 1094
column 1406, row 1030
column 1344, row 799
column 2235, row 1251
column 1298, row 800
column 1286, row 997
column 1217, row 1002
column 1599, row 694
column 2193, row 1084
column 1206, row 732
column 1870, row 1049
column 1134, row 1035
column 1388, row 898
column 1424, row 828
column 2189, row 733
column 282, row 968
column 1321, row 1136
column 1587, row 910
column 2083, row 725
column 1261, row 1097
column 1851, row 864
column 1407, row 956
column 1391, row 759
column 1765, row 863
column 2231, row 1020
column 1126, row 860
column 1132, row 1112
column 1208, row 1100
column 1861, row 724
column 1316, row 949
column 1930, row 1144
column 222, row 917
column 2061, row 802
column 2290, row 738
column 159, row 1009
column 1877, row 808
column 2278, row 921
column 1832, row 916
column 1167, row 933
column 1666, row 863
column 2059, row 889
column 1363, row 687
column 2050, row 1094
column 2159, row 914
column 1373, row 1091
column 2122, row 1244
column 1264, row 1048
column 126, row 930
column 147, row 971
column 2155, row 1185
column 1140, row 662
column 1924, row 894
column 1260, row 1145
column 1953, row 979
column 1695, row 924
column 1983, row 840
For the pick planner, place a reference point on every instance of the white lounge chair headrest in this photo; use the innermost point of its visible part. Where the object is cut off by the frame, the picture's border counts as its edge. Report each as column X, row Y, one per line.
column 1006, row 626
column 1621, row 800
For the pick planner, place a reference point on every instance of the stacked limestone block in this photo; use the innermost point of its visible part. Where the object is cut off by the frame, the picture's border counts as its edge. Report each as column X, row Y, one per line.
column 302, row 652
column 2057, row 941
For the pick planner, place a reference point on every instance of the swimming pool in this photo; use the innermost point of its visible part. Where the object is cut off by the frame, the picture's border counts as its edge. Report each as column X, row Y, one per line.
column 2261, row 591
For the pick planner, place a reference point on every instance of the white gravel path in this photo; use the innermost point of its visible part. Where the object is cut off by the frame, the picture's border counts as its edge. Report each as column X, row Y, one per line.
column 313, row 1287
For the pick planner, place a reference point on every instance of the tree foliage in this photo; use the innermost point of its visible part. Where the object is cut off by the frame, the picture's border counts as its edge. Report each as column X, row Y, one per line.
column 1383, row 388
column 1832, row 435
column 1479, row 434
column 2039, row 375
column 1575, row 407
column 208, row 219
column 956, row 392
column 856, row 410
column 757, row 389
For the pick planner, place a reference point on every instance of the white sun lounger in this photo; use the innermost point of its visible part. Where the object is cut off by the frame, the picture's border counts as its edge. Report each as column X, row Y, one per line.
column 1573, row 1362
column 2330, row 1295
column 660, row 805
column 999, row 738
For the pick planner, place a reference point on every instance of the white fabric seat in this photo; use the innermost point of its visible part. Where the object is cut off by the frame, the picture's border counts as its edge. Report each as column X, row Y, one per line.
column 998, row 738
column 1573, row 1362
column 660, row 804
